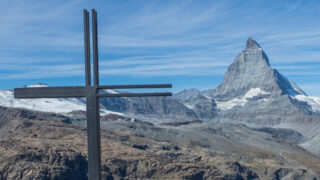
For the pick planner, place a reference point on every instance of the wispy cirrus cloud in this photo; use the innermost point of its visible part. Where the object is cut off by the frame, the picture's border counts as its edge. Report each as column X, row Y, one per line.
column 157, row 38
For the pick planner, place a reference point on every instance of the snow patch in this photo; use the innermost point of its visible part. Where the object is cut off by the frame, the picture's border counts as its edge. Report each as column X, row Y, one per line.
column 264, row 100
column 317, row 99
column 104, row 112
column 46, row 104
column 230, row 104
column 37, row 85
column 56, row 105
column 253, row 92
column 208, row 97
column 189, row 106
column 314, row 102
column 111, row 91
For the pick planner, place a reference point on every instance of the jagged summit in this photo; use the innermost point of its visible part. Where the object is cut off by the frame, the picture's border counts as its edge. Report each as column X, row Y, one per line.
column 250, row 70
column 251, row 43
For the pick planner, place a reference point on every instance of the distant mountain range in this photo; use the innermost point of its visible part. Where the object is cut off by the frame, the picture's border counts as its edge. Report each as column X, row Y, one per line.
column 249, row 85
column 254, row 94
column 155, row 108
column 251, row 91
column 250, row 79
column 251, row 126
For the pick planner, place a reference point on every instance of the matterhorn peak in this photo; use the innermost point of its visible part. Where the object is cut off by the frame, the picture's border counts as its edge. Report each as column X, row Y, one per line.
column 251, row 43
column 251, row 70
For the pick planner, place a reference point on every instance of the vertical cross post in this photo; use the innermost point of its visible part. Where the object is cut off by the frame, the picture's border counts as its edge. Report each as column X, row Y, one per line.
column 93, row 130
column 95, row 47
column 91, row 93
column 87, row 47
column 93, row 110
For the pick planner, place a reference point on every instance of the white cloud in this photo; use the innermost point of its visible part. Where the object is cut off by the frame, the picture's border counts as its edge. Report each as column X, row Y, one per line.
column 153, row 38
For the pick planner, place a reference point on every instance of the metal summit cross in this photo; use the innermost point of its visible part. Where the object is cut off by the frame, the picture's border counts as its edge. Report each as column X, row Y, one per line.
column 91, row 93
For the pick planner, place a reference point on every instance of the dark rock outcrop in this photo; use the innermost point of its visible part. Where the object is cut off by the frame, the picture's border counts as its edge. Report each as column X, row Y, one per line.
column 150, row 107
column 180, row 123
column 34, row 163
column 285, row 134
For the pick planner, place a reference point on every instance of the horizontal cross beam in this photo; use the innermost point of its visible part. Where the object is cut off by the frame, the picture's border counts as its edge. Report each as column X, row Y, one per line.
column 51, row 92
column 135, row 86
column 135, row 94
column 83, row 91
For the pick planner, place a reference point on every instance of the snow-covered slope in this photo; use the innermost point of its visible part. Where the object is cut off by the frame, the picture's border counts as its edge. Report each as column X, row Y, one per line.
column 47, row 105
column 314, row 102
column 56, row 105
column 253, row 92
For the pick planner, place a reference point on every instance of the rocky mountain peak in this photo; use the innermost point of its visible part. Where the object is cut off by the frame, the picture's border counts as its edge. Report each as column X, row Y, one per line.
column 250, row 70
column 251, row 43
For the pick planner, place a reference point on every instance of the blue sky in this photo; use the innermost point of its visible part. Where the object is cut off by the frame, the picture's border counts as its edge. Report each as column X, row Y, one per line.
column 187, row 43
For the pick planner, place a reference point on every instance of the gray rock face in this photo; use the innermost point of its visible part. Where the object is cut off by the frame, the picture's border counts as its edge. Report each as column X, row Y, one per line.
column 187, row 94
column 148, row 107
column 204, row 107
column 251, row 69
column 284, row 134
column 251, row 43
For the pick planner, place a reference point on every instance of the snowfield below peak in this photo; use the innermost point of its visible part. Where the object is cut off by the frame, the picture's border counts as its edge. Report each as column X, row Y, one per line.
column 253, row 92
column 314, row 102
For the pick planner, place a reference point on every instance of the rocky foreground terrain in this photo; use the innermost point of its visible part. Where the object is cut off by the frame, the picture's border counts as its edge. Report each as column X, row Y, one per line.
column 37, row 145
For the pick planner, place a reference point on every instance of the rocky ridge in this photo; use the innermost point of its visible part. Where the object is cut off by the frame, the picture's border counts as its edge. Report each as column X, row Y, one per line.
column 255, row 94
column 251, row 69
column 37, row 145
